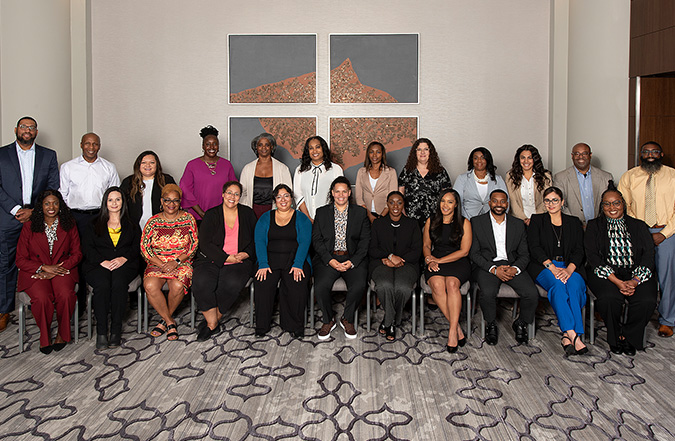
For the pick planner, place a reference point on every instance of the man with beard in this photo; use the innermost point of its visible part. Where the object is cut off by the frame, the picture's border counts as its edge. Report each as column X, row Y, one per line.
column 582, row 185
column 83, row 181
column 649, row 191
column 500, row 255
column 26, row 170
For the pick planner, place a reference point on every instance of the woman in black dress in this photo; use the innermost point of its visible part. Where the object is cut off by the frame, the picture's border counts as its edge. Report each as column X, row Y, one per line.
column 447, row 241
column 395, row 247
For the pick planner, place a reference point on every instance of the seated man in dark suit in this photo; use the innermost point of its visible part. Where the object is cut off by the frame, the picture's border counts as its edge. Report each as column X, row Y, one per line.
column 499, row 254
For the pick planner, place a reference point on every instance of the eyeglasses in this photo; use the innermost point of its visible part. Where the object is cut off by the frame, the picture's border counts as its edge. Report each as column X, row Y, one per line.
column 283, row 196
column 551, row 201
column 581, row 154
column 423, row 149
column 229, row 193
column 615, row 204
column 171, row 201
column 25, row 127
column 651, row 152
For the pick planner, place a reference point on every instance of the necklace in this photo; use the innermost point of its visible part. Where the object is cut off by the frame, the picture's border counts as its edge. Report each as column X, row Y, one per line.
column 480, row 180
column 212, row 167
column 559, row 238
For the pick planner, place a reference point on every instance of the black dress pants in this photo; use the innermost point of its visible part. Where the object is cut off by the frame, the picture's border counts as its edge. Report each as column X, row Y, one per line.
column 110, row 296
column 219, row 286
column 324, row 278
column 609, row 304
column 292, row 300
column 489, row 287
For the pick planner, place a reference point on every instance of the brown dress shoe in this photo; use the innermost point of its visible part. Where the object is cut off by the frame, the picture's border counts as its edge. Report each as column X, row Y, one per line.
column 4, row 319
column 665, row 331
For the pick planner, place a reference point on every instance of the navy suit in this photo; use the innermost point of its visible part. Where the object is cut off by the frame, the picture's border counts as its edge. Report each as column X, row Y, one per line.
column 45, row 176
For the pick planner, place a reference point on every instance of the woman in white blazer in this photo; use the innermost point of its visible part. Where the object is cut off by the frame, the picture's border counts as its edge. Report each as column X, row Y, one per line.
column 260, row 177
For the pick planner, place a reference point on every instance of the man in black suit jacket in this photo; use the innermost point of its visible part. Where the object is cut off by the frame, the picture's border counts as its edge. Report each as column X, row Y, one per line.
column 500, row 255
column 336, row 258
column 18, row 162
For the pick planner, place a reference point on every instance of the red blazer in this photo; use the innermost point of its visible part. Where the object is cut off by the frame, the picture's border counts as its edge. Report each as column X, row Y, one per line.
column 33, row 251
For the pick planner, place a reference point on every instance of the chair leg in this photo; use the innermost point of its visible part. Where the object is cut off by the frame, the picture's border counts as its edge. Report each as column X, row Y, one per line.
column 414, row 312
column 22, row 325
column 145, row 313
column 421, row 302
column 368, row 294
column 90, row 296
column 591, row 323
column 193, row 311
column 531, row 330
column 311, row 307
column 469, row 311
column 77, row 322
column 139, row 320
column 250, row 305
column 583, row 323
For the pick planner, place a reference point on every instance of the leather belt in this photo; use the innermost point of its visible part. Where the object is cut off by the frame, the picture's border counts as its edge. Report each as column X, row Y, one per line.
column 339, row 253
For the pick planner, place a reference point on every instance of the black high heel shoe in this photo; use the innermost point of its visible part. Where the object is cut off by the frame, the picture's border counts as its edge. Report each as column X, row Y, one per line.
column 451, row 349
column 462, row 341
column 581, row 351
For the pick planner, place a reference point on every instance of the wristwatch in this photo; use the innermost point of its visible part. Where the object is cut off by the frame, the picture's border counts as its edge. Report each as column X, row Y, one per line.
column 177, row 260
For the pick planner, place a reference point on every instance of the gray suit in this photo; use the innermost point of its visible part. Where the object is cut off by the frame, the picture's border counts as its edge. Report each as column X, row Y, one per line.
column 567, row 181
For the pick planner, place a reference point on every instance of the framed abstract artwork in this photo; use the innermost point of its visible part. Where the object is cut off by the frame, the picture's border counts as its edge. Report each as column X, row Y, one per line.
column 267, row 69
column 374, row 68
column 349, row 138
column 290, row 133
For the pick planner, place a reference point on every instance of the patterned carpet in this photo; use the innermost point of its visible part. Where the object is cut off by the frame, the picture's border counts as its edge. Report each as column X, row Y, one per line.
column 236, row 387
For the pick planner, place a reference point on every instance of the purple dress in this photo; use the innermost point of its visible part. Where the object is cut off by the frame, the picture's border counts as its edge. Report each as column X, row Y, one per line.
column 202, row 188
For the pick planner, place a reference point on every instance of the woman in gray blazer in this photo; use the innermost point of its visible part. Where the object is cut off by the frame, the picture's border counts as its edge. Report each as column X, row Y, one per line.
column 474, row 186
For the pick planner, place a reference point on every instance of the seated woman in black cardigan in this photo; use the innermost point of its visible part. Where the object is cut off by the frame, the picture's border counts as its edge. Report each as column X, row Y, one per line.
column 556, row 262
column 225, row 259
column 112, row 253
column 620, row 252
column 395, row 249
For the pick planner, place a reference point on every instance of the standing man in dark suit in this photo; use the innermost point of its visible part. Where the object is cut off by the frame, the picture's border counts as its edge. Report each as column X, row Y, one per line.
column 26, row 169
column 340, row 236
column 500, row 255
column 582, row 184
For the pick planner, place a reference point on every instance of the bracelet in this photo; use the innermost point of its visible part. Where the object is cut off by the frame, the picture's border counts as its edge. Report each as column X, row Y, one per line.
column 547, row 265
column 39, row 270
column 636, row 279
column 390, row 256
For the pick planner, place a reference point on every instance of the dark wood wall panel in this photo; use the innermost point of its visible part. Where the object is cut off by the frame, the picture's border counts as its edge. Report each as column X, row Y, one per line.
column 657, row 96
column 653, row 54
column 647, row 16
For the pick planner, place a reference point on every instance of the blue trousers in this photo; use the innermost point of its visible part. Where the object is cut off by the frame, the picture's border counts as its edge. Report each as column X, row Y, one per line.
column 567, row 299
column 665, row 271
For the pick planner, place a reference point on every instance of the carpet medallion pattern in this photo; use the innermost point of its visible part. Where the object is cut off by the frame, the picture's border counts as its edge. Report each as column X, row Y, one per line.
column 236, row 386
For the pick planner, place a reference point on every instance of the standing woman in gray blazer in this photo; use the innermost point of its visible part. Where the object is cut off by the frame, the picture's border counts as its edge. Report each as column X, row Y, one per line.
column 481, row 179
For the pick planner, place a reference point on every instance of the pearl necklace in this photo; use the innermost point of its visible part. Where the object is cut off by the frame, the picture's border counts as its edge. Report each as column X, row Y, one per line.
column 480, row 180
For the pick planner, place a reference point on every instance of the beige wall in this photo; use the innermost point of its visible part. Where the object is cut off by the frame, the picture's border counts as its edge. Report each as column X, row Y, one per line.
column 150, row 73
column 159, row 74
column 35, row 70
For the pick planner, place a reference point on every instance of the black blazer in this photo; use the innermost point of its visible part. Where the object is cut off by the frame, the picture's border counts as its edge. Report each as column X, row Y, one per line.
column 408, row 241
column 96, row 248
column 45, row 177
column 212, row 235
column 358, row 234
column 542, row 241
column 483, row 248
column 596, row 242
column 136, row 207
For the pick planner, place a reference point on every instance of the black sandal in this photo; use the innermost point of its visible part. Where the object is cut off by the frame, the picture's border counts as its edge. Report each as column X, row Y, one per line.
column 157, row 331
column 391, row 333
column 383, row 329
column 574, row 345
column 172, row 333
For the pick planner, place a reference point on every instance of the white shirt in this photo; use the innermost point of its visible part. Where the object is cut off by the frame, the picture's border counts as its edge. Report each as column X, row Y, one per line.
column 373, row 183
column 527, row 195
column 27, row 166
column 312, row 186
column 499, row 231
column 83, row 183
column 147, row 202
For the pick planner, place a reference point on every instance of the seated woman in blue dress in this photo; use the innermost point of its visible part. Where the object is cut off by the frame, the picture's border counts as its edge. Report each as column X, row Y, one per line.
column 282, row 240
column 556, row 260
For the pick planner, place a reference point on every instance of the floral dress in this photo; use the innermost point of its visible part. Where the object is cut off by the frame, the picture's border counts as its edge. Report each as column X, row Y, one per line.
column 421, row 193
column 167, row 240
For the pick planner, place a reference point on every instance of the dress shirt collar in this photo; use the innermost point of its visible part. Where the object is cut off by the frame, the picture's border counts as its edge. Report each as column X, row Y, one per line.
column 19, row 150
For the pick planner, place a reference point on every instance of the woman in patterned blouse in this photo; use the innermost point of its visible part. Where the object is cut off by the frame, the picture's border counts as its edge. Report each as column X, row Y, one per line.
column 422, row 179
column 168, row 244
column 620, row 253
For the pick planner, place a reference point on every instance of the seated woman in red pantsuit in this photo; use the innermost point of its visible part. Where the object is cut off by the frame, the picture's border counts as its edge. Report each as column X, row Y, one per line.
column 47, row 256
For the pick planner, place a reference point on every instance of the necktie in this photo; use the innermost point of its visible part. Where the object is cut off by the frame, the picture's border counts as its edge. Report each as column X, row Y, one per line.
column 316, row 171
column 650, row 202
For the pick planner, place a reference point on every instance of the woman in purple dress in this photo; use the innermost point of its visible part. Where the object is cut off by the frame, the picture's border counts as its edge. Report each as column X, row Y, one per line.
column 204, row 177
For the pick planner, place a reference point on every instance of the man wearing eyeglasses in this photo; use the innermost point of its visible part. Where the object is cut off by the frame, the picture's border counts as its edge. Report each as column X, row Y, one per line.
column 83, row 181
column 649, row 191
column 26, row 170
column 582, row 185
